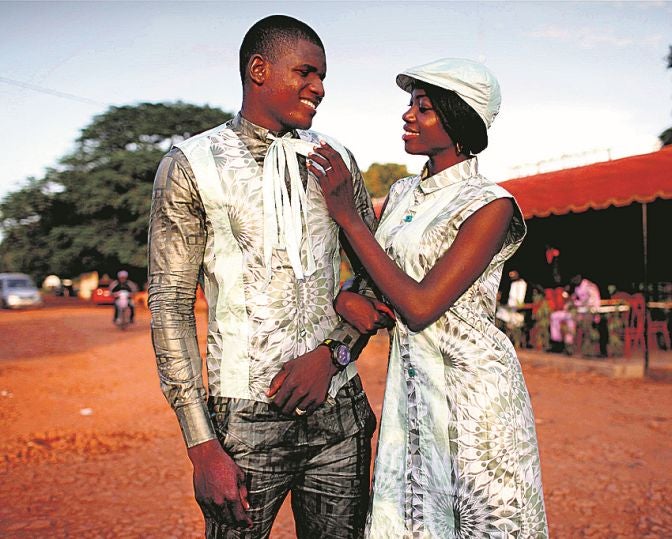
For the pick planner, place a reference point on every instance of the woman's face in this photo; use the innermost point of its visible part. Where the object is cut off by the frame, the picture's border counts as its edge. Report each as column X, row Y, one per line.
column 423, row 132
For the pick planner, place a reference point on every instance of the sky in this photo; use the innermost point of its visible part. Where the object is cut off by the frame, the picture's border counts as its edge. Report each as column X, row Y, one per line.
column 581, row 81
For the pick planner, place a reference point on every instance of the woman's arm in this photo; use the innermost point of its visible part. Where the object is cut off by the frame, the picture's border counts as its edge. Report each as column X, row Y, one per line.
column 480, row 237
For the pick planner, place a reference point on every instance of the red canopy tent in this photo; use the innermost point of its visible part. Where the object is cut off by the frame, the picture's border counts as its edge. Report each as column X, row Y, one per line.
column 641, row 178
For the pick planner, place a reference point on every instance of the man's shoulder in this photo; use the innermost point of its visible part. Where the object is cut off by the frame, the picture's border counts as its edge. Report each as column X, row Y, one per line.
column 316, row 136
column 203, row 137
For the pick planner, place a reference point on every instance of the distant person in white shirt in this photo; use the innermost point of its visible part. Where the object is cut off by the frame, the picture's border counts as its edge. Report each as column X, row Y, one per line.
column 508, row 313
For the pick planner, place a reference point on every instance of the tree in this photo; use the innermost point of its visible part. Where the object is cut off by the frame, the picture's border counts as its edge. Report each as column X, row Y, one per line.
column 92, row 212
column 666, row 136
column 380, row 176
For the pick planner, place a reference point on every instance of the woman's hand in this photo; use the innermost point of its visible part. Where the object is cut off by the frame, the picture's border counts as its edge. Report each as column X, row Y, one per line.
column 366, row 315
column 336, row 183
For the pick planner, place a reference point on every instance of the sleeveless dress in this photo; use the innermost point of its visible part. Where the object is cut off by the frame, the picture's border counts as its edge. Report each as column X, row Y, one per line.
column 457, row 451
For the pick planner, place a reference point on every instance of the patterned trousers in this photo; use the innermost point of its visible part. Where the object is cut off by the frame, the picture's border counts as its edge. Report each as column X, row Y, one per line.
column 323, row 459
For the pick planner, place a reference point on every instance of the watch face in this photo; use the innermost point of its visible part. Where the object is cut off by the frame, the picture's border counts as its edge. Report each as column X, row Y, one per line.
column 342, row 355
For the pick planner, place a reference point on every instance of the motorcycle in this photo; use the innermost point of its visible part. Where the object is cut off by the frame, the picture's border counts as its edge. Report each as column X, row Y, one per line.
column 123, row 304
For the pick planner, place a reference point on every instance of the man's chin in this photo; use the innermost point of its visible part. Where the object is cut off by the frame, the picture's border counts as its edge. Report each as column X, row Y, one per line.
column 299, row 122
column 303, row 125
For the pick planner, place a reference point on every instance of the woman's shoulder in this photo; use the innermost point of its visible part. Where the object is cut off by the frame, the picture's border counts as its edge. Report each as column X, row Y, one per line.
column 482, row 187
column 403, row 184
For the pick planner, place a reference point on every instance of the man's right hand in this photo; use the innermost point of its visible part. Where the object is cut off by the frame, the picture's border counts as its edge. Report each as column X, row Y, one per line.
column 219, row 485
column 366, row 315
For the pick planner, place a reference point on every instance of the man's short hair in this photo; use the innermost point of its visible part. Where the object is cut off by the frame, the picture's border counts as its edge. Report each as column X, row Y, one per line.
column 272, row 35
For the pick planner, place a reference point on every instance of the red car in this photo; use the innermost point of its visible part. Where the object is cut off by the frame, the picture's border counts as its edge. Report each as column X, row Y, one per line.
column 102, row 295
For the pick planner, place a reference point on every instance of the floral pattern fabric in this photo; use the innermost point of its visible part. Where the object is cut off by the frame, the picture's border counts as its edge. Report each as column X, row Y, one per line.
column 207, row 219
column 457, row 452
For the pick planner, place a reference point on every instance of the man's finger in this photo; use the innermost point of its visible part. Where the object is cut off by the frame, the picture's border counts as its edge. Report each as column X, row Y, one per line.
column 220, row 513
column 284, row 392
column 240, row 517
column 242, row 489
column 292, row 402
column 308, row 403
column 276, row 383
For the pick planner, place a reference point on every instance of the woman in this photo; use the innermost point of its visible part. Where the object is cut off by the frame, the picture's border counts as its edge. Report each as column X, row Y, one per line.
column 457, row 451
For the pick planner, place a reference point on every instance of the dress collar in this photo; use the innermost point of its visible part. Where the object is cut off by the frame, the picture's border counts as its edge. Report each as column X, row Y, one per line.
column 452, row 175
column 255, row 131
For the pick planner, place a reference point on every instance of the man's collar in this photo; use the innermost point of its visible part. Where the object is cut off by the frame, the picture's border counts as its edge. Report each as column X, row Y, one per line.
column 254, row 131
column 450, row 176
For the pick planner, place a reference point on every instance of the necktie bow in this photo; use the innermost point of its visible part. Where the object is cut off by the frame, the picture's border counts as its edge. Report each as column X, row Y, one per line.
column 285, row 214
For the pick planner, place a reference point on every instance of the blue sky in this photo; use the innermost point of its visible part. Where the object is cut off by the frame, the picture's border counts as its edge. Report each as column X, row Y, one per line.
column 580, row 81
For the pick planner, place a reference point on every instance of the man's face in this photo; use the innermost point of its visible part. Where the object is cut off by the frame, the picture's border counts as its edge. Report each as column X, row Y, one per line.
column 293, row 87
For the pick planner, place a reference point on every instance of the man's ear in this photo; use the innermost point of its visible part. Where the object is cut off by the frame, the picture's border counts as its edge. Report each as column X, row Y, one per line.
column 257, row 69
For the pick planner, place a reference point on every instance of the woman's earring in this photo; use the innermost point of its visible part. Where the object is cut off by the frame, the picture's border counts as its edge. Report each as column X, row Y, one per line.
column 458, row 148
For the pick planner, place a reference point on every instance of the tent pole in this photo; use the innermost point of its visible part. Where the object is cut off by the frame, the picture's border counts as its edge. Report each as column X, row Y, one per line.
column 645, row 234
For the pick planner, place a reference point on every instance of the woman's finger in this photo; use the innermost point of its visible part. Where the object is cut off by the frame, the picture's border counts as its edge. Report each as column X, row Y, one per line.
column 333, row 156
column 320, row 160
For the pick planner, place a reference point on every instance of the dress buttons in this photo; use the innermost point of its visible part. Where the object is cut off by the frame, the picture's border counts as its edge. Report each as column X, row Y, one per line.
column 411, row 372
column 408, row 218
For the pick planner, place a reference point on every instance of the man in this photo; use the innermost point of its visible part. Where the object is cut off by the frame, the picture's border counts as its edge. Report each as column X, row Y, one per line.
column 517, row 323
column 285, row 408
column 584, row 301
column 123, row 284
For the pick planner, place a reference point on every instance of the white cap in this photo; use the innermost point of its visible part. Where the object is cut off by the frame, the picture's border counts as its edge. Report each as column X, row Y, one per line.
column 472, row 81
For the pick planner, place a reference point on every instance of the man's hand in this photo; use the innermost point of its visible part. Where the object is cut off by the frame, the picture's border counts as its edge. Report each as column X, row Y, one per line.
column 219, row 485
column 303, row 382
column 365, row 314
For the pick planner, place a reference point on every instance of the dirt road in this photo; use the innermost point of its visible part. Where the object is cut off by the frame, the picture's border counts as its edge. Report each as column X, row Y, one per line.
column 90, row 448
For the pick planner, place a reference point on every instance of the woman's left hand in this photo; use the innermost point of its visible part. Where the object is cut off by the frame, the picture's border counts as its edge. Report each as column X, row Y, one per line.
column 335, row 180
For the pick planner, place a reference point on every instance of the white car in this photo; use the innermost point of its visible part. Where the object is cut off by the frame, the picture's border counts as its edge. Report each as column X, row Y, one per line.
column 18, row 290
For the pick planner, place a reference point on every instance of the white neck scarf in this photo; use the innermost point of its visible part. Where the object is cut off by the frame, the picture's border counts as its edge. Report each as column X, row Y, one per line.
column 285, row 214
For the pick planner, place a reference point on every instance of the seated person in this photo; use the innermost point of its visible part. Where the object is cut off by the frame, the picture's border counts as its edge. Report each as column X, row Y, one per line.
column 123, row 283
column 507, row 311
column 584, row 300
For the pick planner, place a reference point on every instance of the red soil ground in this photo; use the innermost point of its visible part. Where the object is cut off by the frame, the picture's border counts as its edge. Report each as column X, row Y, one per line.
column 90, row 448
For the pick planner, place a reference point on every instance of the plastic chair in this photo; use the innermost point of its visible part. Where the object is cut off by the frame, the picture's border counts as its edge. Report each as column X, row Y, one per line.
column 633, row 322
column 555, row 298
column 655, row 327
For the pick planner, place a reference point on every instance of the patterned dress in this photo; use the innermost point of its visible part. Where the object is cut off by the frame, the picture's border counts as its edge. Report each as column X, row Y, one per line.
column 457, row 453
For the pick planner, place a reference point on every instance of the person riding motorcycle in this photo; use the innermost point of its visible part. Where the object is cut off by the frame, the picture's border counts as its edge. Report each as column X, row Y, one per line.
column 122, row 283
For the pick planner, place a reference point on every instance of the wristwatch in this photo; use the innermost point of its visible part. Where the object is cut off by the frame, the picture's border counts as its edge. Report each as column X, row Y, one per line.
column 340, row 353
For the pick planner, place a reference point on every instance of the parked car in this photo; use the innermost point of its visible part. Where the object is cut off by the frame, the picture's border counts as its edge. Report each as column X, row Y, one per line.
column 18, row 290
column 102, row 295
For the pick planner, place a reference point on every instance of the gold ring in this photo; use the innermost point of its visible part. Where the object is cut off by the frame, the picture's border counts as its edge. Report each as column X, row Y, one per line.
column 299, row 411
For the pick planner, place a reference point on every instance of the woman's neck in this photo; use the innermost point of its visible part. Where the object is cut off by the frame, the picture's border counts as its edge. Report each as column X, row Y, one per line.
column 439, row 163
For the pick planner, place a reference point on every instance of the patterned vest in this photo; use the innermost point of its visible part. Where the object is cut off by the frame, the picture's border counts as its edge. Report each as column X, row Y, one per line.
column 258, row 317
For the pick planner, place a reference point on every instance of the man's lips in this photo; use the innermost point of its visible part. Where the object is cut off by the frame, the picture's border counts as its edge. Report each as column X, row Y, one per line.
column 311, row 104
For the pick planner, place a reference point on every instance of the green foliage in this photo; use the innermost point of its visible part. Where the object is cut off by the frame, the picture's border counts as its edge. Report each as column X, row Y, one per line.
column 92, row 212
column 666, row 137
column 380, row 176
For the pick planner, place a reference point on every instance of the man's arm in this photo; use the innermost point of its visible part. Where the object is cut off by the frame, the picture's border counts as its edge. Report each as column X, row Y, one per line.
column 177, row 237
column 176, row 247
